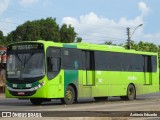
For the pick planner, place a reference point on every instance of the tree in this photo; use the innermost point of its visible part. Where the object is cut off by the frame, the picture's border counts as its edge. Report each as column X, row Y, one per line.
column 79, row 39
column 143, row 46
column 1, row 37
column 46, row 29
column 108, row 43
column 67, row 34
column 132, row 43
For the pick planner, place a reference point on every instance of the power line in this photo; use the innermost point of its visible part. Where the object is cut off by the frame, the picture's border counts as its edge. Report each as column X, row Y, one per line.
column 108, row 32
column 98, row 35
column 110, row 39
column 104, row 38
column 108, row 36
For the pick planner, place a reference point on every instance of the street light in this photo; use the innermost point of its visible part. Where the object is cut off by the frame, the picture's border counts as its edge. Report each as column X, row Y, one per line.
column 129, row 36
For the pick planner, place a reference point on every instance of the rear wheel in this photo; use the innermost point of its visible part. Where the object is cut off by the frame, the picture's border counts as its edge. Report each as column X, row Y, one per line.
column 98, row 99
column 36, row 101
column 131, row 92
column 69, row 96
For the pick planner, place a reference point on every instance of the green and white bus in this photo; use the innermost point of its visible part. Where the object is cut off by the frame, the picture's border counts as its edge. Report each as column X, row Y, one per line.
column 45, row 70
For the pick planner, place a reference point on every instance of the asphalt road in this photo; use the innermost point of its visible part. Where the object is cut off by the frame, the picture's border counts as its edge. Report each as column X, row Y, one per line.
column 149, row 102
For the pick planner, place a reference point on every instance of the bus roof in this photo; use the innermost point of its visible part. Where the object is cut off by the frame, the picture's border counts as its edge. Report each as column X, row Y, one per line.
column 111, row 48
column 89, row 46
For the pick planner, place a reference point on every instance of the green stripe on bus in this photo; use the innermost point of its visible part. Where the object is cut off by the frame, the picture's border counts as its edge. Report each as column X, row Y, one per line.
column 70, row 76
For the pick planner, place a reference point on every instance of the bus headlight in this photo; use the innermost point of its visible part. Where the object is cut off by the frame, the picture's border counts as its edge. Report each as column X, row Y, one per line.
column 39, row 86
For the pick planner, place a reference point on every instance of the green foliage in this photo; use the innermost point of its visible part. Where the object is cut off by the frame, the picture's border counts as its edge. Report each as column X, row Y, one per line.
column 44, row 29
column 79, row 39
column 67, row 34
column 108, row 43
column 143, row 46
column 3, row 41
column 1, row 37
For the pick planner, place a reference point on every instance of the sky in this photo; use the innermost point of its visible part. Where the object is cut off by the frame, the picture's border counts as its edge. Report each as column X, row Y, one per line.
column 96, row 21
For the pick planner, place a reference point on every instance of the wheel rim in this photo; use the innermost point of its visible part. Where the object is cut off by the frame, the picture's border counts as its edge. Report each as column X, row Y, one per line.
column 69, row 95
column 131, row 92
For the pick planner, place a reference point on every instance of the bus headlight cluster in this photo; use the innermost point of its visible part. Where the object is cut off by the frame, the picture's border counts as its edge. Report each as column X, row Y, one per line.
column 39, row 86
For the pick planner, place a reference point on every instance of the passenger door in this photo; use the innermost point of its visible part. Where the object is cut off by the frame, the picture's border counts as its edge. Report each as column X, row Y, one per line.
column 147, row 70
column 89, row 68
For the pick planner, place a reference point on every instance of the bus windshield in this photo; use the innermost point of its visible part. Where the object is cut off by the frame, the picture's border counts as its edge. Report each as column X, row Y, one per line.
column 26, row 65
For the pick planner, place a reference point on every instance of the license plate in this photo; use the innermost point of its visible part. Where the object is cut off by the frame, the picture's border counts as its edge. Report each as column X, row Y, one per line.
column 21, row 93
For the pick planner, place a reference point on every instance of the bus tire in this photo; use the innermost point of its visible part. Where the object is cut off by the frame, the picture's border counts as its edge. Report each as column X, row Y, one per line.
column 36, row 101
column 98, row 99
column 69, row 96
column 131, row 92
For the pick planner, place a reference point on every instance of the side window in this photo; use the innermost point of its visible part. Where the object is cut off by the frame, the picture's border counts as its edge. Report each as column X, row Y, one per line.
column 88, row 60
column 154, row 63
column 150, row 64
column 53, row 62
column 132, row 62
column 71, row 59
column 114, row 61
column 109, row 61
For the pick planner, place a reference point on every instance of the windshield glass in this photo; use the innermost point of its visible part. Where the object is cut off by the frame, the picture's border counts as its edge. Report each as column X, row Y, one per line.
column 26, row 65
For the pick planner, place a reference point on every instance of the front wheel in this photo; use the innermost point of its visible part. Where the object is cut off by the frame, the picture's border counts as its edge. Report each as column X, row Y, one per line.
column 69, row 96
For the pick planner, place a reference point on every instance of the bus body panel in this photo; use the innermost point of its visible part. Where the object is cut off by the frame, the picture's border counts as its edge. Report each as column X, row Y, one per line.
column 116, row 83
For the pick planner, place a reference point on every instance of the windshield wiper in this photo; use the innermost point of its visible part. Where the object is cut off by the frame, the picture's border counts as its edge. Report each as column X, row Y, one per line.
column 18, row 57
column 26, row 61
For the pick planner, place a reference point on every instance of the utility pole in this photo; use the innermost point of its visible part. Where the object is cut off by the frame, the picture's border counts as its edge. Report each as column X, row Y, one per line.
column 130, row 35
column 129, row 38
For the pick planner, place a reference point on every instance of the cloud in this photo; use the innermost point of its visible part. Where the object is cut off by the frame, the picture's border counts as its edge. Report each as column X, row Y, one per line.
column 98, row 29
column 154, row 38
column 4, row 5
column 26, row 3
column 144, row 8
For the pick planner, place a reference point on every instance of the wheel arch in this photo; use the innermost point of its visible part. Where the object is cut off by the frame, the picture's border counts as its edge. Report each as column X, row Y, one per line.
column 132, row 84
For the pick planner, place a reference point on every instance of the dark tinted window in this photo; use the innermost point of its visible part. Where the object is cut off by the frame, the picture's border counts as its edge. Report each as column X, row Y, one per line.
column 53, row 52
column 150, row 63
column 132, row 62
column 53, row 61
column 71, row 59
column 88, row 60
column 154, row 63
column 109, row 61
column 113, row 61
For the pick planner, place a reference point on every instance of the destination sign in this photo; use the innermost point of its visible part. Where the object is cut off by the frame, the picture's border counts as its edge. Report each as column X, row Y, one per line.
column 27, row 46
